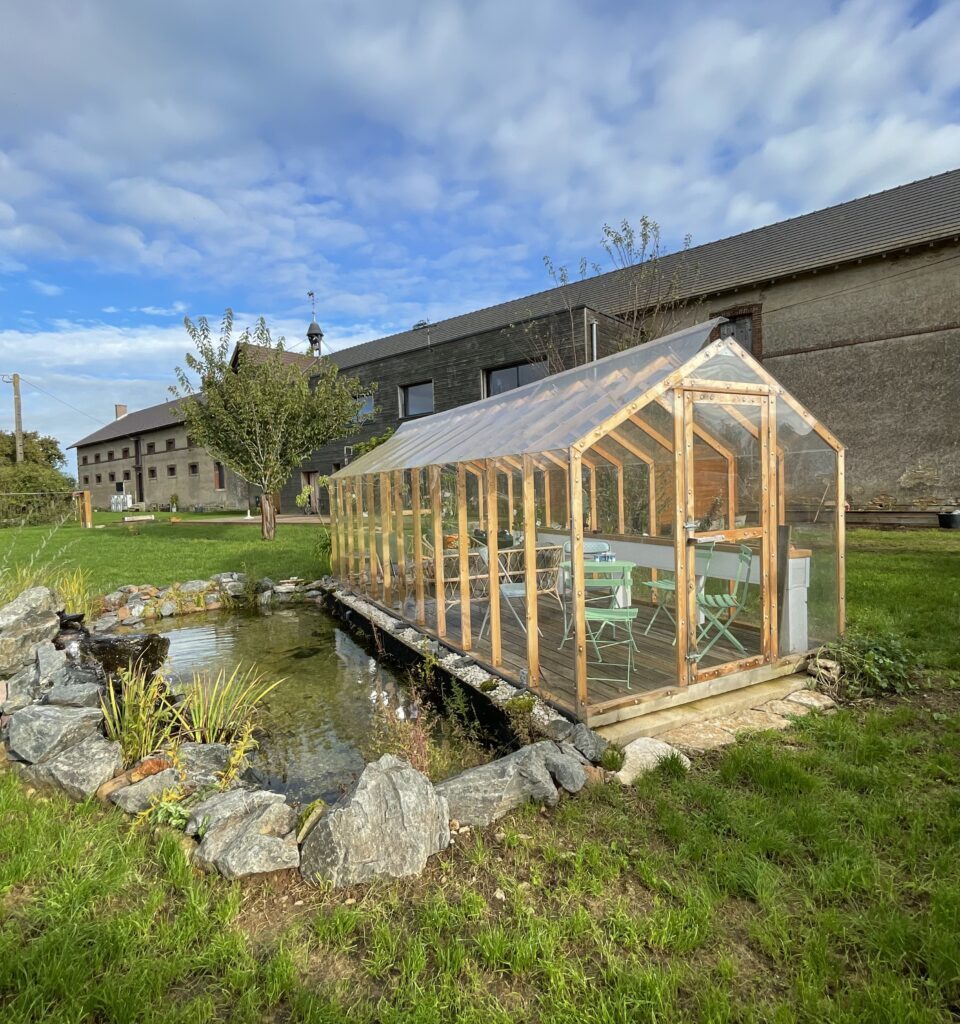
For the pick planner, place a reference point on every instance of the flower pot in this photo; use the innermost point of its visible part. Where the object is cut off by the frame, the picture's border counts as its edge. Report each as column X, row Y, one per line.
column 949, row 520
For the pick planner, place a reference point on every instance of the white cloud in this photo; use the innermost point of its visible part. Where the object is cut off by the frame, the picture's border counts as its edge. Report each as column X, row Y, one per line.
column 45, row 288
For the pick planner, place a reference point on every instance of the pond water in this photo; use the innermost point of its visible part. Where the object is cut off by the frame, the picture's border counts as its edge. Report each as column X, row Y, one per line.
column 317, row 723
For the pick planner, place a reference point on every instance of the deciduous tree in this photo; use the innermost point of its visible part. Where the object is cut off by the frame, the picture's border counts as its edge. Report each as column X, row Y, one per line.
column 257, row 412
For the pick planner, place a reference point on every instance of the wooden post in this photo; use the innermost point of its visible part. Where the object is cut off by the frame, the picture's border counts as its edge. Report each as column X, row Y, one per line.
column 463, row 546
column 683, row 496
column 578, row 582
column 510, row 519
column 530, row 572
column 766, row 558
column 547, row 508
column 773, row 519
column 345, row 546
column 334, row 539
column 417, row 546
column 481, row 505
column 86, row 513
column 386, row 534
column 594, row 526
column 841, row 543
column 436, row 511
column 373, row 576
column 566, row 495
column 493, row 563
column 398, row 509
column 348, row 495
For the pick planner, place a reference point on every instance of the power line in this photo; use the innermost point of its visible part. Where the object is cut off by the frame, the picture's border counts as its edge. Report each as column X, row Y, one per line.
column 62, row 401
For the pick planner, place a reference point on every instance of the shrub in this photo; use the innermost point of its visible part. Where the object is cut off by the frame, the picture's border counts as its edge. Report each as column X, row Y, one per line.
column 612, row 758
column 873, row 664
column 323, row 548
column 138, row 714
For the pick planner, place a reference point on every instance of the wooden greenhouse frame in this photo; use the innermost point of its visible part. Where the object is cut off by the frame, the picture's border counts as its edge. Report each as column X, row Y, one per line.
column 640, row 531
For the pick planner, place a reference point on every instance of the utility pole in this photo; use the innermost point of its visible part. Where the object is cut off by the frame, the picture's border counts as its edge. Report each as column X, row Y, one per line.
column 17, row 418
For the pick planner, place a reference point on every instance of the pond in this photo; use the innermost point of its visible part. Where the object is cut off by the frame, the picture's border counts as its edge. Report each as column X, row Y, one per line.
column 317, row 724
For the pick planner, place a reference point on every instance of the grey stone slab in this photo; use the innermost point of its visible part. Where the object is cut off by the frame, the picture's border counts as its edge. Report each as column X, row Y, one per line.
column 79, row 770
column 39, row 733
column 137, row 797
column 82, row 695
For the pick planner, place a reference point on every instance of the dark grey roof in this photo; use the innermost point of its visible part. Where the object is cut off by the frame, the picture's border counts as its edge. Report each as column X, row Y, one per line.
column 156, row 417
column 917, row 213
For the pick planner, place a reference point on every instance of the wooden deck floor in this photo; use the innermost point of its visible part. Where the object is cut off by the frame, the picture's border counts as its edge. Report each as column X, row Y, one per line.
column 654, row 661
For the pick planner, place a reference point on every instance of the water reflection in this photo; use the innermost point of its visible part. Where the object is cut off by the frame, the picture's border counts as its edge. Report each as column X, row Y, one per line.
column 317, row 721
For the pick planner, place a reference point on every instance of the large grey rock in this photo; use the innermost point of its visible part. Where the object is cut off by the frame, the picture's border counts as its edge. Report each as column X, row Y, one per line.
column 81, row 695
column 28, row 620
column 195, row 586
column 483, row 794
column 138, row 797
column 232, row 845
column 203, row 764
column 39, row 733
column 79, row 770
column 51, row 664
column 26, row 683
column 226, row 808
column 643, row 755
column 113, row 653
column 386, row 826
column 566, row 771
column 587, row 742
column 234, row 588
column 252, row 853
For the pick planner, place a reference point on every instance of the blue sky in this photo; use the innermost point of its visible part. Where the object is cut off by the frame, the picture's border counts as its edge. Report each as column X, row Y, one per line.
column 409, row 160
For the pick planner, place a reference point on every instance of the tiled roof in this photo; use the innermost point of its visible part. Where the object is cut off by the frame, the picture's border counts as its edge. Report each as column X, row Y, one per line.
column 155, row 417
column 914, row 214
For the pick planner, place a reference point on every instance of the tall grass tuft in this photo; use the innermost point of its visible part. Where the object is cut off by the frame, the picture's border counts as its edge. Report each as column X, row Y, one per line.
column 224, row 709
column 138, row 715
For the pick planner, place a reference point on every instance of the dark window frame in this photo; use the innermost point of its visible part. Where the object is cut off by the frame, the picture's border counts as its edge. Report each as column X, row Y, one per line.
column 194, row 468
column 171, row 444
column 488, row 371
column 752, row 313
column 84, row 459
column 151, row 447
column 404, row 400
column 124, row 453
column 219, row 476
column 86, row 480
column 152, row 473
column 171, row 470
column 112, row 477
column 98, row 478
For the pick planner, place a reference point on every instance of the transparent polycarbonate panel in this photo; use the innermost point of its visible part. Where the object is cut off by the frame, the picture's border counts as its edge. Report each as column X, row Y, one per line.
column 553, row 413
column 728, row 366
column 810, row 616
column 725, row 472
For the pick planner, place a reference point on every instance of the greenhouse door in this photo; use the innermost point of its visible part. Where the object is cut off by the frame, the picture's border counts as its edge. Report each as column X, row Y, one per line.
column 728, row 578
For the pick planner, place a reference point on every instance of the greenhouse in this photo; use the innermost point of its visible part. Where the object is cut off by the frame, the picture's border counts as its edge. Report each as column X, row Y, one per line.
column 639, row 531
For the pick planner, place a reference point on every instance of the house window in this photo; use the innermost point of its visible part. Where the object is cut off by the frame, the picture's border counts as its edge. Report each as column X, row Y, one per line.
column 110, row 455
column 740, row 328
column 194, row 469
column 96, row 457
column 86, row 480
column 219, row 477
column 171, row 470
column 125, row 453
column 84, row 460
column 152, row 472
column 98, row 478
column 745, row 325
column 126, row 474
column 171, row 443
column 112, row 477
column 366, row 410
column 190, row 441
column 416, row 399
column 151, row 447
column 506, row 378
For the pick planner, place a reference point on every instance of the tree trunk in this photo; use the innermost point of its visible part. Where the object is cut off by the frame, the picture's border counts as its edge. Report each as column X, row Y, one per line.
column 268, row 517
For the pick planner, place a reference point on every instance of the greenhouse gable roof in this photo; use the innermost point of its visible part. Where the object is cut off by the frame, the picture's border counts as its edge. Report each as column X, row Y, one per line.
column 549, row 415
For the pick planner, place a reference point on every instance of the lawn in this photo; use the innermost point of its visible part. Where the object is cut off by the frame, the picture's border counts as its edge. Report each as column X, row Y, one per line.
column 808, row 876
column 163, row 552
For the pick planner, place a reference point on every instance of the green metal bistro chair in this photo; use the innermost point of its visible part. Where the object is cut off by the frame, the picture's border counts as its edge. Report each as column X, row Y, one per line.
column 663, row 588
column 731, row 604
column 597, row 620
column 601, row 582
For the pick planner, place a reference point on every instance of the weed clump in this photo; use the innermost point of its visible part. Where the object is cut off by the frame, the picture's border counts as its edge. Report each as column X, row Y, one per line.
column 612, row 758
column 872, row 664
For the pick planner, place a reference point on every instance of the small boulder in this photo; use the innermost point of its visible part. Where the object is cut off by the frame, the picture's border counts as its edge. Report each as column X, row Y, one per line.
column 113, row 653
column 114, row 600
column 252, row 853
column 203, row 764
column 812, row 699
column 139, row 796
column 225, row 808
column 26, row 683
column 28, row 620
column 587, row 742
column 273, row 819
column 486, row 793
column 39, row 733
column 233, row 588
column 81, row 695
column 51, row 664
column 167, row 608
column 195, row 586
column 643, row 755
column 567, row 771
column 386, row 826
column 264, row 586
column 79, row 770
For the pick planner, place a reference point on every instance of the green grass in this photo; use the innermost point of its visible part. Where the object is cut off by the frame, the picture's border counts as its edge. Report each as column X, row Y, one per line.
column 163, row 552
column 908, row 582
column 811, row 876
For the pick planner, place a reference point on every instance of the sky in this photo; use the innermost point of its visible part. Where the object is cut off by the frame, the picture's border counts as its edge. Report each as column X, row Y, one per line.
column 169, row 158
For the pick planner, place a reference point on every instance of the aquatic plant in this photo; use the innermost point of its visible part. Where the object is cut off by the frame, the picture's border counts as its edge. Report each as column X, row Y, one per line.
column 224, row 709
column 138, row 714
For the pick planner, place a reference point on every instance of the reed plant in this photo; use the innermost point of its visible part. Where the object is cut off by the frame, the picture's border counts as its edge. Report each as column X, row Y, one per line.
column 138, row 714
column 224, row 709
